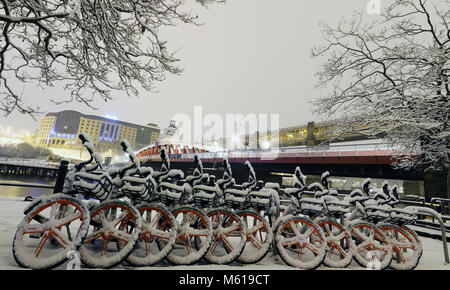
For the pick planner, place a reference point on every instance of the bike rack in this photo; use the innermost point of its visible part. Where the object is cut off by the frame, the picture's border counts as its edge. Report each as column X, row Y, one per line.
column 432, row 213
column 443, row 204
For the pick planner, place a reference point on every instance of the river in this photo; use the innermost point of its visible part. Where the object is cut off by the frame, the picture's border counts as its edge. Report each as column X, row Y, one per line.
column 19, row 191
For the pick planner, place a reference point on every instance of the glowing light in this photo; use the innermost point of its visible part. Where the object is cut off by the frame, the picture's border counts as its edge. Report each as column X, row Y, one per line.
column 10, row 135
column 111, row 117
column 265, row 144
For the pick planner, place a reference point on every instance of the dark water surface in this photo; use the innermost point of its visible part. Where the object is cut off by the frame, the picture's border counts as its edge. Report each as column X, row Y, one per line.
column 19, row 191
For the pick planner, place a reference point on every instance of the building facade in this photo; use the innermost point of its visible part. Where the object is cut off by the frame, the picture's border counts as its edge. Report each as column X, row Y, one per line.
column 309, row 134
column 59, row 131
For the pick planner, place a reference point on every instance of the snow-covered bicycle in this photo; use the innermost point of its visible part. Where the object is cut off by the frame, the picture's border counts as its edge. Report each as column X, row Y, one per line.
column 55, row 225
column 406, row 249
column 229, row 231
column 340, row 246
column 159, row 227
column 300, row 241
column 194, row 227
column 258, row 206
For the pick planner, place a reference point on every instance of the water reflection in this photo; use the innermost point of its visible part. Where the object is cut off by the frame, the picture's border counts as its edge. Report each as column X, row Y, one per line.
column 19, row 191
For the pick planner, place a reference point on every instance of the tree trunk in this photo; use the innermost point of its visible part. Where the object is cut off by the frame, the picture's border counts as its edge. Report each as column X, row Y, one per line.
column 448, row 182
column 448, row 176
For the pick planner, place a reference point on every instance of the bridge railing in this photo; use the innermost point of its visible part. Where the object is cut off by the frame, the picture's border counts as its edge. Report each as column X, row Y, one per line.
column 59, row 184
column 368, row 149
column 28, row 162
column 333, row 150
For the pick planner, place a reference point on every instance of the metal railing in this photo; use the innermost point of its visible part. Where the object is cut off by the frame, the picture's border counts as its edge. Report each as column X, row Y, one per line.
column 29, row 162
column 441, row 205
column 59, row 184
column 341, row 150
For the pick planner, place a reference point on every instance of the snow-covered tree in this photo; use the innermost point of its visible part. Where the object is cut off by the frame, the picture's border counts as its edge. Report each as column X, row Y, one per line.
column 390, row 77
column 91, row 47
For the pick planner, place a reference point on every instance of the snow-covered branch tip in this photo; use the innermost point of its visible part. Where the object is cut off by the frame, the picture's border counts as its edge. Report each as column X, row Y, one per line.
column 89, row 48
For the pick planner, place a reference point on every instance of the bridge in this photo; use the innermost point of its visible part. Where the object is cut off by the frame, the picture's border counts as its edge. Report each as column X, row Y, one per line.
column 29, row 167
column 351, row 159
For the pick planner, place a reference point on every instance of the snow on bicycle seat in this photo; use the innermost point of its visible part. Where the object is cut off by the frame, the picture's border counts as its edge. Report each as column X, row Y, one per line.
column 222, row 183
column 145, row 171
column 176, row 173
column 192, row 178
column 248, row 185
column 291, row 190
column 319, row 194
column 157, row 174
column 272, row 185
column 358, row 199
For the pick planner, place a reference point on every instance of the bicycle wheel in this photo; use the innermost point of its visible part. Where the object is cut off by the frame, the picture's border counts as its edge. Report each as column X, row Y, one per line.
column 340, row 245
column 416, row 237
column 113, row 232
column 404, row 247
column 229, row 236
column 159, row 230
column 191, row 223
column 372, row 246
column 50, row 231
column 300, row 242
column 259, row 237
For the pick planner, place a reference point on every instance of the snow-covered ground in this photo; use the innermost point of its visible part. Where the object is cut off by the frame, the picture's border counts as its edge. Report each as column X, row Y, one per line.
column 11, row 214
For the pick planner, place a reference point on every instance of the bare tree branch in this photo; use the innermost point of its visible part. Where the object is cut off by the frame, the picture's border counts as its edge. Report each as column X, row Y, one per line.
column 390, row 78
column 91, row 47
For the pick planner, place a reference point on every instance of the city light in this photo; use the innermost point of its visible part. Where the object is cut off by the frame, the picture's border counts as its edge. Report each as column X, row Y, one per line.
column 10, row 135
column 265, row 144
column 111, row 117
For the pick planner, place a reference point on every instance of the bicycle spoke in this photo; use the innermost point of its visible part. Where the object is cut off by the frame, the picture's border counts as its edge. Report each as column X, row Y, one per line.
column 312, row 248
column 188, row 246
column 227, row 243
column 67, row 220
column 214, row 247
column 59, row 239
column 41, row 245
column 232, row 228
column 254, row 242
column 33, row 229
column 123, row 236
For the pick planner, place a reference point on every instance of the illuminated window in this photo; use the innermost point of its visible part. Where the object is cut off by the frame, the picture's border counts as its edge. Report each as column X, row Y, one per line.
column 101, row 131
